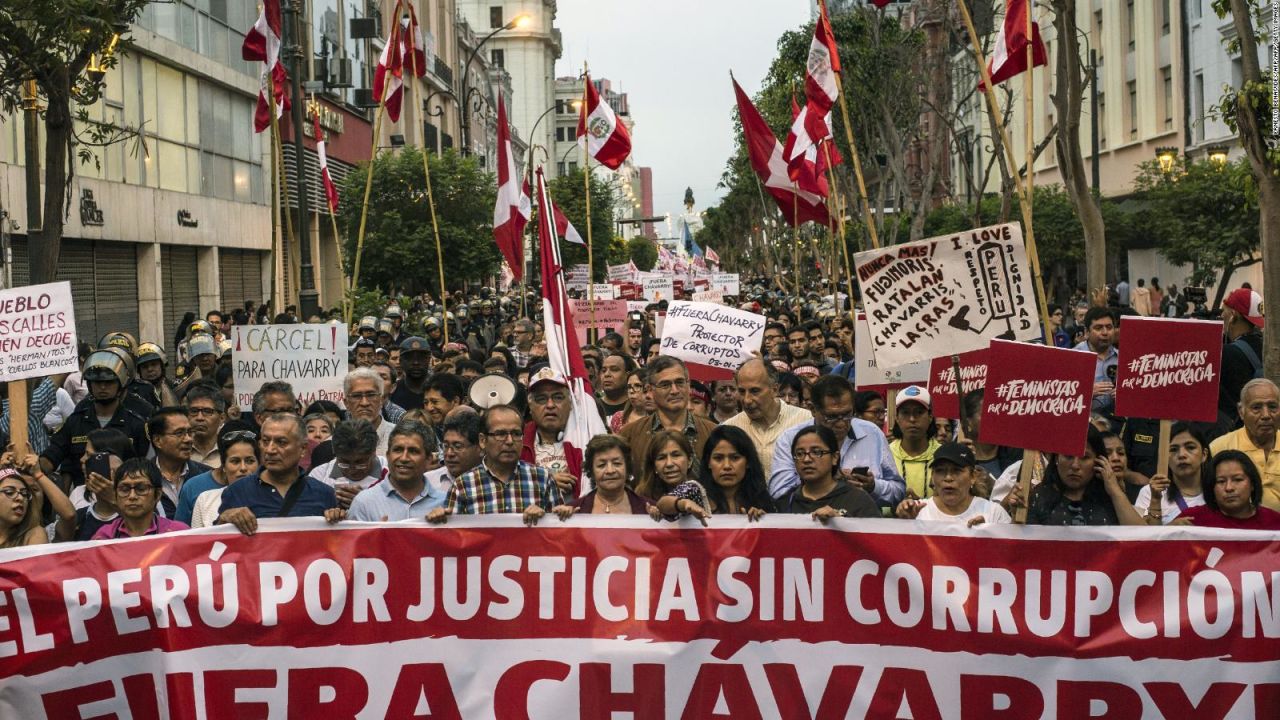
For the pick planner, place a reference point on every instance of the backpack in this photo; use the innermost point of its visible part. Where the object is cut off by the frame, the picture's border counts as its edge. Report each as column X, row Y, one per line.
column 1249, row 354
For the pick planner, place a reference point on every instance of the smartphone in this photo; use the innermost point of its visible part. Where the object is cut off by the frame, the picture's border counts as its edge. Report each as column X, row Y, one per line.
column 861, row 470
column 99, row 463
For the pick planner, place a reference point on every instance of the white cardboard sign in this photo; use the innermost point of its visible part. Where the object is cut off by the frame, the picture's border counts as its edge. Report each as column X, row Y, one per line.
column 37, row 331
column 312, row 358
column 711, row 335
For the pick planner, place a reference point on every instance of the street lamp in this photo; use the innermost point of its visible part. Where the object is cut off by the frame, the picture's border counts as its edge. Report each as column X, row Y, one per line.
column 464, row 97
column 1167, row 157
column 1218, row 155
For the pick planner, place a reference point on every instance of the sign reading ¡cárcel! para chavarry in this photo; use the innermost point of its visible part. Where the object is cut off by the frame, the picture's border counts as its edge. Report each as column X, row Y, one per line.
column 311, row 358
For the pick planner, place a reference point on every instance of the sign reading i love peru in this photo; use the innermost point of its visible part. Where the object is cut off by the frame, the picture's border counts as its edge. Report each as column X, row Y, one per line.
column 1037, row 397
column 1169, row 369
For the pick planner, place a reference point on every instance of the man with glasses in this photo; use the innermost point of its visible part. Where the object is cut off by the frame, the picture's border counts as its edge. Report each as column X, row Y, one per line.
column 522, row 342
column 274, row 398
column 207, row 410
column 764, row 417
column 668, row 380
column 502, row 483
column 775, row 333
column 356, row 464
column 865, row 459
column 363, row 394
column 171, row 438
column 461, row 447
column 279, row 488
column 550, row 405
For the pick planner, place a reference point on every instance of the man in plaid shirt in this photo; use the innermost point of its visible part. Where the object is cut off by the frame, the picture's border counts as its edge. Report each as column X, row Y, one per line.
column 502, row 483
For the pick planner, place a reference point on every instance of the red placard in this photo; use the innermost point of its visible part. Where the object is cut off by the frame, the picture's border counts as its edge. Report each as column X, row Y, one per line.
column 942, row 381
column 1169, row 369
column 1037, row 397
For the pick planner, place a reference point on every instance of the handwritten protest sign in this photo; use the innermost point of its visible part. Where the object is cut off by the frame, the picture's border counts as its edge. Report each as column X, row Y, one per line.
column 37, row 331
column 727, row 283
column 609, row 314
column 942, row 381
column 311, row 358
column 947, row 294
column 602, row 290
column 1037, row 397
column 1169, row 369
column 622, row 273
column 658, row 288
column 713, row 339
column 709, row 296
column 869, row 375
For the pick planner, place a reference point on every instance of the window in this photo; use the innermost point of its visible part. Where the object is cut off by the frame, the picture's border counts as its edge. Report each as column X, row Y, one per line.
column 1195, row 10
column 560, row 169
column 1197, row 108
column 1097, row 33
column 1165, row 13
column 1128, row 22
column 1133, row 110
column 1102, row 120
column 213, row 28
column 495, row 16
column 497, row 58
column 1166, row 77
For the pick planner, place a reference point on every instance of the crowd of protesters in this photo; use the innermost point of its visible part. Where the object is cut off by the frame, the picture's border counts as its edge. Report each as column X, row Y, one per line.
column 141, row 442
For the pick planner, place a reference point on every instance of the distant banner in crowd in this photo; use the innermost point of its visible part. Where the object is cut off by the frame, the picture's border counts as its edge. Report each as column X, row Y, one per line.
column 709, row 296
column 728, row 283
column 713, row 339
column 311, row 358
column 781, row 619
column 1037, row 397
column 658, row 288
column 942, row 381
column 37, row 332
column 869, row 375
column 609, row 314
column 625, row 272
column 947, row 294
column 1169, row 369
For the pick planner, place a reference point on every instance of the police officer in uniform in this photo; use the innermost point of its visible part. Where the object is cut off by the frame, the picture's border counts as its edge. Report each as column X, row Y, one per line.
column 107, row 375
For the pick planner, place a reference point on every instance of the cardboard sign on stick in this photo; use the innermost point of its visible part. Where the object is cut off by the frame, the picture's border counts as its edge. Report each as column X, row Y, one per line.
column 870, row 376
column 1037, row 397
column 947, row 294
column 712, row 339
column 37, row 331
column 1169, row 369
column 942, row 381
column 610, row 314
column 310, row 357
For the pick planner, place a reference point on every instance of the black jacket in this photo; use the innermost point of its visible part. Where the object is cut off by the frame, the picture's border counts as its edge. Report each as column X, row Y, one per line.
column 67, row 444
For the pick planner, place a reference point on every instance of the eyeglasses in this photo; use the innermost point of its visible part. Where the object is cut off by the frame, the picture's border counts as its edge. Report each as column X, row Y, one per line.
column 542, row 398
column 236, row 435
column 139, row 490
column 668, row 385
column 14, row 493
column 361, row 397
column 456, row 446
column 816, row 454
column 367, row 462
column 185, row 432
column 837, row 419
column 504, row 434
column 201, row 411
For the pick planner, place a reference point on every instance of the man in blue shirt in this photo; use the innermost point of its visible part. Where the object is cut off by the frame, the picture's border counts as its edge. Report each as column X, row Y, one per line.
column 1100, row 326
column 280, row 488
column 405, row 493
column 863, row 446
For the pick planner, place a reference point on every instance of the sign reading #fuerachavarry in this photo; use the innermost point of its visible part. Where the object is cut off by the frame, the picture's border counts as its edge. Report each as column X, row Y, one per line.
column 948, row 294
column 37, row 331
column 712, row 339
column 311, row 358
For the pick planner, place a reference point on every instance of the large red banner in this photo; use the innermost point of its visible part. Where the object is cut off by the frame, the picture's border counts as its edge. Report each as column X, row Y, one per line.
column 784, row 618
column 1169, row 369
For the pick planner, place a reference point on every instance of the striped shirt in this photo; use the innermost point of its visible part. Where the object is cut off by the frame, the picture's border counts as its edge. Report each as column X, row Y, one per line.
column 480, row 492
column 43, row 398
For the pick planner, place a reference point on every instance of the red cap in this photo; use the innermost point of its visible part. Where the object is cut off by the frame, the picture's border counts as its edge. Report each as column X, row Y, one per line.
column 1246, row 302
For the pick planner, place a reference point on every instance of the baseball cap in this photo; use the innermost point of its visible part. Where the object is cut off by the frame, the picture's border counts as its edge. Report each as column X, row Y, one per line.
column 954, row 452
column 546, row 374
column 915, row 394
column 414, row 344
column 1246, row 302
column 700, row 391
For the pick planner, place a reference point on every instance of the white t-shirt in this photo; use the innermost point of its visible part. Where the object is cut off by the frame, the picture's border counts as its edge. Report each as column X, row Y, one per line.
column 205, row 511
column 992, row 513
column 1168, row 510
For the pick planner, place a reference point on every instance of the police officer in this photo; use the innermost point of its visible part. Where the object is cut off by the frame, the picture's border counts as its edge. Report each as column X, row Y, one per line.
column 151, row 362
column 195, row 329
column 396, row 316
column 107, row 375
column 141, row 395
column 386, row 330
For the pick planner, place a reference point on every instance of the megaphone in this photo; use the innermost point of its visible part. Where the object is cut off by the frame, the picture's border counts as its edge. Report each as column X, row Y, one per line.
column 492, row 389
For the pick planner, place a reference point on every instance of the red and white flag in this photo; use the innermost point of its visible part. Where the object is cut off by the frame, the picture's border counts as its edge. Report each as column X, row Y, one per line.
column 807, row 155
column 765, row 153
column 388, row 85
column 712, row 257
column 1009, row 58
column 330, row 190
column 566, row 230
column 262, row 44
column 822, row 75
column 508, row 220
column 413, row 49
column 563, row 353
column 606, row 137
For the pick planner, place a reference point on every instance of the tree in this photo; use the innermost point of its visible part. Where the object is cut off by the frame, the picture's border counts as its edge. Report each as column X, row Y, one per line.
column 400, row 247
column 569, row 194
column 1249, row 112
column 53, row 43
column 1204, row 215
column 643, row 251
column 1067, row 99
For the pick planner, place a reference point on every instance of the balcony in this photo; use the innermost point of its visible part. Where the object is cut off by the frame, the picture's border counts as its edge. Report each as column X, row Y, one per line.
column 442, row 70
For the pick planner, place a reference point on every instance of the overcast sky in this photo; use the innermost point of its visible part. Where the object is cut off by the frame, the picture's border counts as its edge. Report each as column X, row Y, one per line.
column 672, row 58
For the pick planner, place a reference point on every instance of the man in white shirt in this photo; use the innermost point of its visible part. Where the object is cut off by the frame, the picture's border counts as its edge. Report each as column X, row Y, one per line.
column 954, row 471
column 764, row 417
column 364, row 395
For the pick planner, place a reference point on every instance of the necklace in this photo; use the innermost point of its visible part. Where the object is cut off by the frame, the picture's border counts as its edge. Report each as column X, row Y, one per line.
column 608, row 506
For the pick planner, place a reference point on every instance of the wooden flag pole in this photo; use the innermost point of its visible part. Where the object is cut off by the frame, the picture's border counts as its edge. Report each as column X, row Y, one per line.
column 853, row 148
column 281, row 178
column 1033, row 255
column 844, row 245
column 19, row 435
column 586, row 184
column 368, row 178
column 333, row 220
column 431, row 202
column 1162, row 450
column 795, row 239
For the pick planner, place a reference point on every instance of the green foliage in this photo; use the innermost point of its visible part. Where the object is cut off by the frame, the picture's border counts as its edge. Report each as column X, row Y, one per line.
column 568, row 192
column 1201, row 214
column 367, row 302
column 400, row 248
column 643, row 251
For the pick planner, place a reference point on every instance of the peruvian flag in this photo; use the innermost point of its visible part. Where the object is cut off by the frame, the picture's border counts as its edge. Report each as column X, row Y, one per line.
column 330, row 191
column 508, row 220
column 1010, row 56
column 606, row 138
column 262, row 44
column 806, row 155
column 712, row 257
column 822, row 76
column 566, row 230
column 765, row 153
column 563, row 354
column 388, row 86
column 413, row 49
